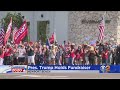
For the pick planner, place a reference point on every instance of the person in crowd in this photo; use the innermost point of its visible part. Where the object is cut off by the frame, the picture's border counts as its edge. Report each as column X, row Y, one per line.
column 105, row 56
column 114, row 56
column 44, row 52
column 52, row 55
column 67, row 60
column 72, row 54
column 66, row 54
column 57, row 49
column 30, row 54
column 15, row 54
column 37, row 54
column 21, row 55
column 61, row 52
column 97, row 57
column 47, row 55
column 77, row 58
column 86, row 55
column 118, row 55
column 7, row 55
column 91, row 55
column 77, row 54
column 110, row 49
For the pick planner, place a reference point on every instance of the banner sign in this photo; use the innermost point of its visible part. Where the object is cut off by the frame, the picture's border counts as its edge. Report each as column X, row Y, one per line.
column 81, row 68
column 63, row 69
column 21, row 33
column 58, row 67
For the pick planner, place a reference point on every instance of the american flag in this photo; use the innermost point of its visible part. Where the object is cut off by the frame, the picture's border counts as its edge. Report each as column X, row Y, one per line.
column 2, row 34
column 8, row 32
column 101, row 29
column 14, row 31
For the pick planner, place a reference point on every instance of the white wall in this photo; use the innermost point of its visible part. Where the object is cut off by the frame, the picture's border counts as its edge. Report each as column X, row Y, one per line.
column 47, row 15
column 58, row 21
column 61, row 25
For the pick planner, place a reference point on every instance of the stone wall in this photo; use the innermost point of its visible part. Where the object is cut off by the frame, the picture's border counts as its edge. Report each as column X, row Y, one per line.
column 87, row 31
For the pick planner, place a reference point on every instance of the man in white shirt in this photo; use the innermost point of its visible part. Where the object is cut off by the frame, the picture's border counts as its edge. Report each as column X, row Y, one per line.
column 21, row 54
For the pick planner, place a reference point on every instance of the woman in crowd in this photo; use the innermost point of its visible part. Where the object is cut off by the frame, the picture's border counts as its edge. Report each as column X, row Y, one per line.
column 77, row 58
column 57, row 58
column 47, row 55
column 114, row 56
column 21, row 54
column 105, row 56
column 72, row 56
column 7, row 55
column 44, row 51
column 67, row 60
column 15, row 54
column 86, row 55
column 37, row 54
column 52, row 55
column 80, row 55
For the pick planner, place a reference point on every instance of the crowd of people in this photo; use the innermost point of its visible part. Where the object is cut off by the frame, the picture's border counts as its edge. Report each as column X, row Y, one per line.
column 66, row 54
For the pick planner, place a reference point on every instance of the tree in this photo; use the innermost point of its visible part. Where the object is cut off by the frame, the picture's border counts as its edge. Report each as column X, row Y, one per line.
column 17, row 21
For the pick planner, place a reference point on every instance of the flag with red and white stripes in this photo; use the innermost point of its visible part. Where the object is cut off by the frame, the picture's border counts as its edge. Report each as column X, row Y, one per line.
column 101, row 29
column 8, row 32
column 14, row 32
column 2, row 34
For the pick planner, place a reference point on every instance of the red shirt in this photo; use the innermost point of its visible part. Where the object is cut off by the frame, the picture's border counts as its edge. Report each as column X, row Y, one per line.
column 67, row 55
column 77, row 55
column 8, row 52
column 105, row 55
column 2, row 55
column 72, row 54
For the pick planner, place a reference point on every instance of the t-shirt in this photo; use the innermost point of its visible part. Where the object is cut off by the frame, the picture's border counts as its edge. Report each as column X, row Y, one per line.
column 21, row 51
column 72, row 54
column 105, row 55
column 30, row 52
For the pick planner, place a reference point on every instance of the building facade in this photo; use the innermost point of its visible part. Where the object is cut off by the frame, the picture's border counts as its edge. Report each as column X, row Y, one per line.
column 75, row 26
column 57, row 21
column 83, row 26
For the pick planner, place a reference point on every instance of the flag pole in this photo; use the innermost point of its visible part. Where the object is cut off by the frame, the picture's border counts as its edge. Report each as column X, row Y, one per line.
column 104, row 23
column 54, row 36
column 28, row 37
column 12, row 36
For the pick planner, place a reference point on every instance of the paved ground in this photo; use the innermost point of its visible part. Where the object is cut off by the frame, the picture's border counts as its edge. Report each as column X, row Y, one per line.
column 60, row 76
